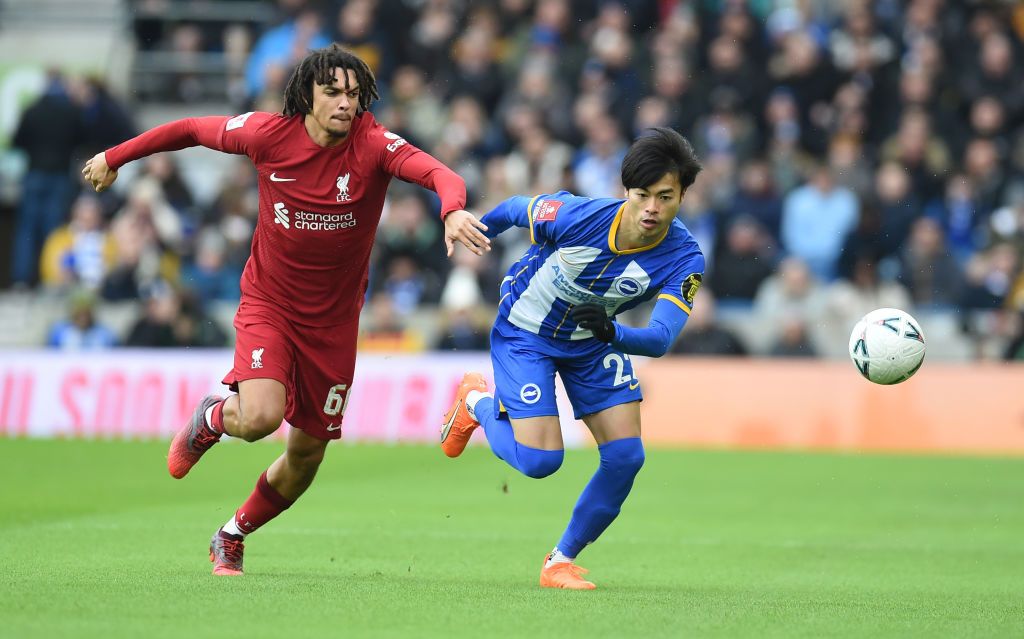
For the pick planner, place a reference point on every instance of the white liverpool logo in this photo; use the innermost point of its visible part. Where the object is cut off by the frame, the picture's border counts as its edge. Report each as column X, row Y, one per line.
column 343, row 187
column 257, row 357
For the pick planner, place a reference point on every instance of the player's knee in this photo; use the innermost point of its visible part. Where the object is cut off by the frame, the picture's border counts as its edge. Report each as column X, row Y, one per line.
column 306, row 462
column 623, row 456
column 259, row 421
column 537, row 463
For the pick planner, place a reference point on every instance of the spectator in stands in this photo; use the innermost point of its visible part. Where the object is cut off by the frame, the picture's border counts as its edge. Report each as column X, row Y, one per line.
column 846, row 301
column 408, row 287
column 725, row 129
column 408, row 231
column 475, row 70
column 279, row 49
column 930, row 273
column 80, row 331
column 848, row 159
column 141, row 260
column 783, row 132
column 809, row 76
column 79, row 253
column 990, row 276
column 164, row 170
column 357, row 31
column 193, row 328
column 385, row 330
column 898, row 207
column 793, row 340
column 743, row 262
column 791, row 292
column 731, row 73
column 429, row 40
column 923, row 153
column 106, row 121
column 161, row 308
column 988, row 176
column 757, row 198
column 674, row 82
column 462, row 329
column 209, row 274
column 703, row 335
column 412, row 108
column 816, row 218
column 996, row 73
column 537, row 89
column 49, row 132
column 596, row 168
column 538, row 164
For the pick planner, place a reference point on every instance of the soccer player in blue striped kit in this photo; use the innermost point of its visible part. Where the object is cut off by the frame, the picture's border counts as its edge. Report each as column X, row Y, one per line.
column 589, row 260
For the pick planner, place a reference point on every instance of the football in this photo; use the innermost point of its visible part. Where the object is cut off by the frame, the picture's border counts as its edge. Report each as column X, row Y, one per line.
column 887, row 346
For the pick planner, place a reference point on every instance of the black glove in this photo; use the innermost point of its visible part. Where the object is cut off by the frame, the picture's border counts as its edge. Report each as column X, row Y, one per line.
column 593, row 318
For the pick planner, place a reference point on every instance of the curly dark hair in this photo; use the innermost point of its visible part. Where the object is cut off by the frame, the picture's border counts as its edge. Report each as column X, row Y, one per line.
column 319, row 67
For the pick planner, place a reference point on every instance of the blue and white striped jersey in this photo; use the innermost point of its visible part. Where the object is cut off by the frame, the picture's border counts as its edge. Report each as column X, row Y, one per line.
column 573, row 260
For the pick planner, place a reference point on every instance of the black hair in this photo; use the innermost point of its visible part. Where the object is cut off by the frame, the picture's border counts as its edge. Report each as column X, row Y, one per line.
column 319, row 67
column 658, row 151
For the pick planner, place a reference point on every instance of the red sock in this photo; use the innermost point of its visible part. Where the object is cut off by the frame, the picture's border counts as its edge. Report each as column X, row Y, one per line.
column 263, row 504
column 217, row 417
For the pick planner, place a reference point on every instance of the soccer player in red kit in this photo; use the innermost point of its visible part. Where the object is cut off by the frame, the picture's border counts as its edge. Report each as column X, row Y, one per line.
column 324, row 166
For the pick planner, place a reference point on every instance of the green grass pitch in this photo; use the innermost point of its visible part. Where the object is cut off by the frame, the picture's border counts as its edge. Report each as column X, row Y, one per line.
column 96, row 540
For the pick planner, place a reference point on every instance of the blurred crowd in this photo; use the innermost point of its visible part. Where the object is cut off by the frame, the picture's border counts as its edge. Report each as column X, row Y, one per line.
column 857, row 154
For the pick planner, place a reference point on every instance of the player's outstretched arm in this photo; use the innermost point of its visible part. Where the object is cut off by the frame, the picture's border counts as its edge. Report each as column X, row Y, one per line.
column 462, row 226
column 653, row 340
column 98, row 173
column 211, row 132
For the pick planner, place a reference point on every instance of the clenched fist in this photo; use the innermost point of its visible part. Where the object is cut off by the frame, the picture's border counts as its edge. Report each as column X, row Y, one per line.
column 97, row 173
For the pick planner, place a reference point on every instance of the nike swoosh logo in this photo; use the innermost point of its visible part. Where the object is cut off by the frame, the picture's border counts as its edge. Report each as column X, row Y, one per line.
column 274, row 178
column 451, row 421
column 332, row 428
column 634, row 385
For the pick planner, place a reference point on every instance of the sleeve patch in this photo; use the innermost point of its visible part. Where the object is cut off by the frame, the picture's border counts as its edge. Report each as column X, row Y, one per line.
column 396, row 140
column 546, row 210
column 690, row 286
column 237, row 122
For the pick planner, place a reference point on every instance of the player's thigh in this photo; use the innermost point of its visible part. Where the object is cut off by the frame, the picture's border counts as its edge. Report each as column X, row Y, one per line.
column 544, row 432
column 324, row 369
column 262, row 400
column 616, row 422
column 598, row 379
column 263, row 367
column 524, row 376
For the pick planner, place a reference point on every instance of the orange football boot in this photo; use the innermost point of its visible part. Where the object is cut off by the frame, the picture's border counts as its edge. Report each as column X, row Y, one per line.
column 564, row 575
column 459, row 424
column 193, row 440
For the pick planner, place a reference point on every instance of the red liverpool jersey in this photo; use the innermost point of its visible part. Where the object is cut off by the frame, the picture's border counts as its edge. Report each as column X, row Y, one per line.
column 319, row 207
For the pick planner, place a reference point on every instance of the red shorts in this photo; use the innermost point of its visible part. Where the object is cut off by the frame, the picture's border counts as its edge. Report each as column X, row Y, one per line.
column 315, row 364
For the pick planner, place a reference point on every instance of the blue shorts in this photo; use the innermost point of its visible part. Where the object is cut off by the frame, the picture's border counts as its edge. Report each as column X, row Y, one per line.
column 596, row 376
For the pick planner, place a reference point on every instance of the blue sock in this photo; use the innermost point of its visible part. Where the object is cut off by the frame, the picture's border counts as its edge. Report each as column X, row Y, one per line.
column 532, row 462
column 601, row 500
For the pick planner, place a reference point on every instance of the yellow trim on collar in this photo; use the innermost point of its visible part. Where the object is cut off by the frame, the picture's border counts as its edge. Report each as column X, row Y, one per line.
column 615, row 227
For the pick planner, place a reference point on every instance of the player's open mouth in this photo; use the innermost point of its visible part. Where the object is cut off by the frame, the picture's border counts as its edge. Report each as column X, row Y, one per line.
column 649, row 224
